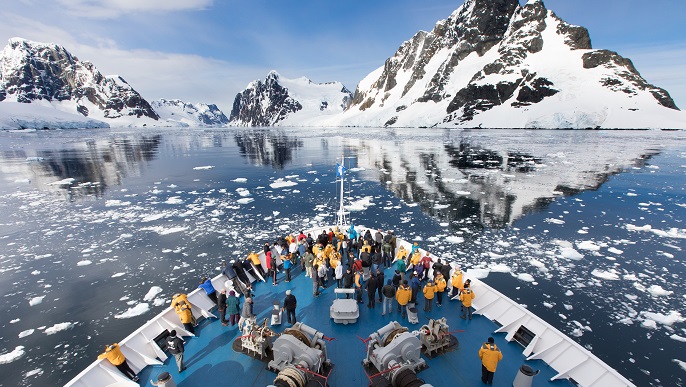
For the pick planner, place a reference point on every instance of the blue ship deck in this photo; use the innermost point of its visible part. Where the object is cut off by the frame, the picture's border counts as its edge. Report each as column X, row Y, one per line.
column 210, row 359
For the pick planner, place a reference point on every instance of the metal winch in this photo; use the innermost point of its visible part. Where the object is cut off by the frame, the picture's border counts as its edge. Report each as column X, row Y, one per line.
column 435, row 336
column 396, row 354
column 256, row 339
column 299, row 357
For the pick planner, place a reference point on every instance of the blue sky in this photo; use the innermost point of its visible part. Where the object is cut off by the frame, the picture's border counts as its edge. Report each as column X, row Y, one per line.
column 209, row 50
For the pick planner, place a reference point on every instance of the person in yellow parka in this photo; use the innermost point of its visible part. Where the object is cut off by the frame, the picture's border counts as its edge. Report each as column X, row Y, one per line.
column 182, row 307
column 401, row 254
column 440, row 288
column 114, row 355
column 429, row 291
column 255, row 259
column 490, row 355
column 456, row 282
column 403, row 296
column 467, row 297
column 416, row 257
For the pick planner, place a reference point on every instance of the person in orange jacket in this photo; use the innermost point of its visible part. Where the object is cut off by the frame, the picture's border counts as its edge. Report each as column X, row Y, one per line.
column 490, row 355
column 114, row 355
column 429, row 291
column 467, row 297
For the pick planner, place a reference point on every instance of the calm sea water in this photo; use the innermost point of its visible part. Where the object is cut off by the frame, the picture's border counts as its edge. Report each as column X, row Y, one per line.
column 99, row 228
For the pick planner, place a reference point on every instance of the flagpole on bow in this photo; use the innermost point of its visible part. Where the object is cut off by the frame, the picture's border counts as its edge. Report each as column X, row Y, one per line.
column 341, row 219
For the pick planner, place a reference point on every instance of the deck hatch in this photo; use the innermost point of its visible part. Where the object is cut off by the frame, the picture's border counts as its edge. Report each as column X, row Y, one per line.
column 523, row 336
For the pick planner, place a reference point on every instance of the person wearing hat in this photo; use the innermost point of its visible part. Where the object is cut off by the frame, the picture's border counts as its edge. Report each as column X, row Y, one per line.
column 183, row 308
column 289, row 305
column 163, row 379
column 246, row 312
column 467, row 297
column 114, row 355
column 490, row 355
column 175, row 346
column 206, row 285
column 233, row 307
column 429, row 292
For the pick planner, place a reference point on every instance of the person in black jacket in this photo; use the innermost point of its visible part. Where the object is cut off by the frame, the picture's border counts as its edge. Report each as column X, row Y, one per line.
column 175, row 346
column 371, row 291
column 348, row 280
column 289, row 305
column 379, row 282
column 221, row 307
column 389, row 295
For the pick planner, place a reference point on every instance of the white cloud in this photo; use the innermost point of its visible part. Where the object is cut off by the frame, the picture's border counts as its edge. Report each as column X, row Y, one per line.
column 106, row 9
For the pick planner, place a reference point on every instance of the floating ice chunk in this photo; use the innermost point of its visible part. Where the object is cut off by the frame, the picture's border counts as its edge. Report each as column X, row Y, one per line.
column 454, row 239
column 68, row 181
column 281, row 183
column 607, row 275
column 548, row 305
column 85, row 262
column 444, row 224
column 554, row 221
column 526, row 277
column 441, row 206
column 165, row 231
column 536, row 263
column 116, row 203
column 36, row 300
column 631, row 194
column 669, row 319
column 245, row 200
column 493, row 255
column 656, row 290
column 615, row 250
column 36, row 372
column 17, row 354
column 25, row 333
column 134, row 311
column 59, row 327
column 570, row 253
column 16, row 320
column 678, row 338
column 158, row 302
column 115, row 275
column 174, row 200
column 500, row 268
column 240, row 180
column 588, row 245
column 152, row 218
column 203, row 168
column 463, row 193
column 243, row 192
column 360, row 205
column 569, row 293
column 155, row 290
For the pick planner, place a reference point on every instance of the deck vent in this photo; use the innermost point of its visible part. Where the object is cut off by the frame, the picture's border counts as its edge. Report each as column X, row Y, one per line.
column 523, row 336
column 161, row 340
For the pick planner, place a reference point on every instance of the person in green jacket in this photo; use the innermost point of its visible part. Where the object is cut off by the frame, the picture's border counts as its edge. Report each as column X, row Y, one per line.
column 308, row 258
column 233, row 308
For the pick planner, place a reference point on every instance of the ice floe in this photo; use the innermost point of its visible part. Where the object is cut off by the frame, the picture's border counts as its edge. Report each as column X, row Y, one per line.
column 155, row 290
column 16, row 354
column 165, row 230
column 25, row 333
column 605, row 274
column 85, row 262
column 203, row 168
column 137, row 310
column 570, row 253
column 59, row 327
column 657, row 290
column 281, row 183
column 36, row 300
column 245, row 200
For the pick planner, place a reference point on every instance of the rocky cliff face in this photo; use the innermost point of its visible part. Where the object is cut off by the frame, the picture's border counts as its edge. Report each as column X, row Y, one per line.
column 281, row 101
column 498, row 64
column 199, row 114
column 31, row 72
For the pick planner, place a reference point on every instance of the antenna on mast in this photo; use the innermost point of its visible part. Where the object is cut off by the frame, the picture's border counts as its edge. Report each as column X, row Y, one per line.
column 341, row 215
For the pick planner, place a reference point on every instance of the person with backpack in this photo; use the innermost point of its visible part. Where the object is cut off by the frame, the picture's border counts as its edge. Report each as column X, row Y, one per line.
column 175, row 346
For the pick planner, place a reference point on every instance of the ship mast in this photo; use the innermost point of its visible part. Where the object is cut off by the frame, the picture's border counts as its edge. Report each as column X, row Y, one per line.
column 341, row 215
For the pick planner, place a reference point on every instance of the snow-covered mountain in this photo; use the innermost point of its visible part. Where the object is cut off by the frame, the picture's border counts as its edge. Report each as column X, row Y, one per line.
column 187, row 114
column 48, row 75
column 495, row 63
column 279, row 101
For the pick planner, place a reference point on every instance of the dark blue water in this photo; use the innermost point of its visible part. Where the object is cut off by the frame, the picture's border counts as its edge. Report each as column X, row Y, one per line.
column 162, row 208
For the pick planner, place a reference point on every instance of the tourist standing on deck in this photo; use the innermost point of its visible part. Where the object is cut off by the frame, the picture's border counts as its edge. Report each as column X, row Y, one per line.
column 233, row 307
column 456, row 282
column 358, row 286
column 426, row 262
column 386, row 253
column 380, row 278
column 221, row 307
column 397, row 279
column 308, row 259
column 315, row 280
column 255, row 260
column 401, row 268
column 289, row 305
column 287, row 264
column 490, row 355
column 246, row 313
column 429, row 292
column 388, row 295
column 175, row 346
column 184, row 309
column 466, row 297
column 348, row 280
column 403, row 296
column 440, row 288
column 322, row 272
column 114, row 355
column 271, row 265
column 338, row 272
column 414, row 285
column 206, row 285
column 371, row 291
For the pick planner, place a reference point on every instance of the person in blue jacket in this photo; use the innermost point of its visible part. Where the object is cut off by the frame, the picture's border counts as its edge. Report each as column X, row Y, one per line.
column 206, row 285
column 414, row 285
